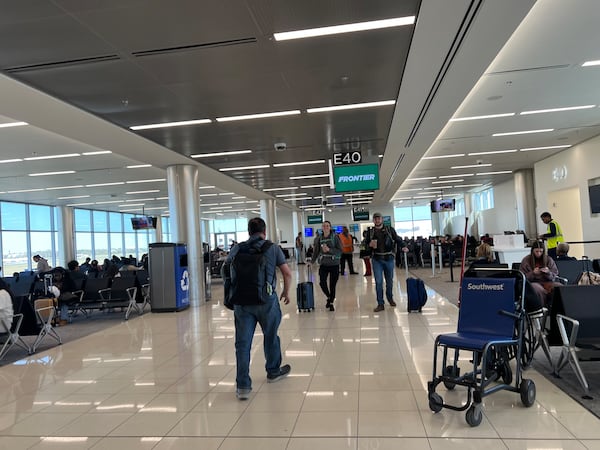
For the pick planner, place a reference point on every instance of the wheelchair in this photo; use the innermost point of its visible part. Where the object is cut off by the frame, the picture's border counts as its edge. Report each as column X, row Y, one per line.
column 491, row 328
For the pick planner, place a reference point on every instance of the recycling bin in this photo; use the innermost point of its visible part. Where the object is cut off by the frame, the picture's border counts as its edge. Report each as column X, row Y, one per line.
column 169, row 276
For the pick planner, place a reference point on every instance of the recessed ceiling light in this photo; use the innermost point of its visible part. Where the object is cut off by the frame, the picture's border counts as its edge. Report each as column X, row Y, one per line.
column 455, row 155
column 512, row 133
column 100, row 152
column 259, row 116
column 204, row 205
column 73, row 196
column 229, row 169
column 207, row 195
column 294, row 194
column 408, row 190
column 170, row 124
column 347, row 28
column 489, row 116
column 108, row 201
column 5, row 161
column 421, row 179
column 458, row 175
column 140, row 199
column 304, row 177
column 471, row 166
column 105, row 184
column 37, row 158
column 162, row 198
column 142, row 192
column 81, row 204
column 226, row 193
column 24, row 190
column 493, row 152
column 233, row 203
column 445, row 181
column 138, row 166
column 591, row 63
column 206, row 187
column 64, row 187
column 549, row 147
column 467, row 185
column 280, row 189
column 351, row 106
column 156, row 180
column 300, row 163
column 500, row 172
column 315, row 186
column 43, row 174
column 13, row 124
column 209, row 155
column 439, row 187
column 568, row 108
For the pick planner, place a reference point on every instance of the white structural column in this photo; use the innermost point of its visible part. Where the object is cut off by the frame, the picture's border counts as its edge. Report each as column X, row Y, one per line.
column 268, row 214
column 66, row 236
column 158, row 232
column 184, row 208
column 525, row 197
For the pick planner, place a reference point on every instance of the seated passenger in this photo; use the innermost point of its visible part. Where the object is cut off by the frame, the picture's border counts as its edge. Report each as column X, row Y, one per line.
column 540, row 270
column 483, row 256
column 6, row 306
column 562, row 250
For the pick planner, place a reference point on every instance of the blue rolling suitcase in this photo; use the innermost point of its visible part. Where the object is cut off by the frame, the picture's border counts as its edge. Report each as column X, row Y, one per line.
column 305, row 294
column 417, row 295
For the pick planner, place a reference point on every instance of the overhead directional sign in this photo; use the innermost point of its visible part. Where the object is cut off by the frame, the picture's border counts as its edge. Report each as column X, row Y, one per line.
column 315, row 219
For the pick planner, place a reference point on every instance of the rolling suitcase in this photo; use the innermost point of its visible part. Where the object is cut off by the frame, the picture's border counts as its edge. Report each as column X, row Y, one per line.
column 417, row 295
column 305, row 295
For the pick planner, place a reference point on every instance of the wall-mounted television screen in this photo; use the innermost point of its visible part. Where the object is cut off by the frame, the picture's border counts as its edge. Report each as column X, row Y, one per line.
column 338, row 228
column 442, row 205
column 143, row 222
column 308, row 232
column 595, row 198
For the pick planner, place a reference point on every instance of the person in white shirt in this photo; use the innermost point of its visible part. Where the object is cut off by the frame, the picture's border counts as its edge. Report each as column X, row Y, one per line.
column 6, row 307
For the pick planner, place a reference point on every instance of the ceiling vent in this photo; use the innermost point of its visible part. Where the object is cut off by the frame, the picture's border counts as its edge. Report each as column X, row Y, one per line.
column 60, row 64
column 192, row 47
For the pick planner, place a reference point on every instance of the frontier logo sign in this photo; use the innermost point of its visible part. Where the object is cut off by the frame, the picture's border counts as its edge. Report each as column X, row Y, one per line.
column 356, row 177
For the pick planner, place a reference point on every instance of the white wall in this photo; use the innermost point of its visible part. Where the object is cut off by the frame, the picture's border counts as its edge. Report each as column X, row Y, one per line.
column 285, row 225
column 571, row 168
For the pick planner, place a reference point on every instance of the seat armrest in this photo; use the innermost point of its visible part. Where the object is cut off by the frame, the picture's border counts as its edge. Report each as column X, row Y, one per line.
column 101, row 292
column 567, row 339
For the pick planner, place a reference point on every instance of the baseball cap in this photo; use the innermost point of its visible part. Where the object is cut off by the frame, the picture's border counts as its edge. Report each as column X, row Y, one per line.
column 377, row 214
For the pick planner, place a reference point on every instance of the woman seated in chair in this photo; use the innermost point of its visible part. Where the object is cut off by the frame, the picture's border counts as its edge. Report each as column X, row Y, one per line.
column 540, row 270
column 483, row 256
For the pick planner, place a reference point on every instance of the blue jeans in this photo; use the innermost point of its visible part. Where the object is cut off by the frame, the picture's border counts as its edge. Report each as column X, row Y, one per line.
column 381, row 268
column 246, row 318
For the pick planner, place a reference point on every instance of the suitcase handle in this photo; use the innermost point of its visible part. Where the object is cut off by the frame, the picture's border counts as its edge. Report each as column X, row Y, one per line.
column 309, row 271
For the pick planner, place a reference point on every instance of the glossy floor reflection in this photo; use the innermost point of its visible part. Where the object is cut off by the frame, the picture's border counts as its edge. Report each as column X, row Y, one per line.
column 358, row 381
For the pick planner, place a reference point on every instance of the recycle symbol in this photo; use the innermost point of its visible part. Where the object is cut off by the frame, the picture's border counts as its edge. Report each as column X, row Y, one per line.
column 185, row 281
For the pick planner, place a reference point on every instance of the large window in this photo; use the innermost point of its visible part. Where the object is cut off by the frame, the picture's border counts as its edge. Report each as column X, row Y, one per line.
column 27, row 230
column 483, row 200
column 413, row 221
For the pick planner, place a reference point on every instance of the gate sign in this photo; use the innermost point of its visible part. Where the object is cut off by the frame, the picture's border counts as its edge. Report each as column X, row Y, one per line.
column 359, row 177
column 315, row 219
column 347, row 158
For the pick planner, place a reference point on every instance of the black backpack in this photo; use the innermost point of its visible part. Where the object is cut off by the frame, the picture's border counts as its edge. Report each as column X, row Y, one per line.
column 248, row 284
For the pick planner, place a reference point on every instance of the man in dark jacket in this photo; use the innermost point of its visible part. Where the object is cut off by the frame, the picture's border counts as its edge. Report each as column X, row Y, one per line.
column 383, row 240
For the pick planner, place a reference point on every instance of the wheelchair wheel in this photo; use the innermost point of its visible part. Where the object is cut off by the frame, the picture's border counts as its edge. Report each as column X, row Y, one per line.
column 449, row 371
column 527, row 391
column 436, row 402
column 474, row 415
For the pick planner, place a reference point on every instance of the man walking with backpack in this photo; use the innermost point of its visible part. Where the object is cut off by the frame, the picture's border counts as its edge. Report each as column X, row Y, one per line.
column 251, row 266
column 383, row 239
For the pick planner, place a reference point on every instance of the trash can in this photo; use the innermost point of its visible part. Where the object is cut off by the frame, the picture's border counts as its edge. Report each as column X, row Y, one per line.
column 169, row 276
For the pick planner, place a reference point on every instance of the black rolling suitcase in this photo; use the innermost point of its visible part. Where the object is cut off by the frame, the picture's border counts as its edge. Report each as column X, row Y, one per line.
column 417, row 295
column 305, row 294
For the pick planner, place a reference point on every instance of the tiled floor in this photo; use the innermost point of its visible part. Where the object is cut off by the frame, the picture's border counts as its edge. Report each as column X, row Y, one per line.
column 358, row 381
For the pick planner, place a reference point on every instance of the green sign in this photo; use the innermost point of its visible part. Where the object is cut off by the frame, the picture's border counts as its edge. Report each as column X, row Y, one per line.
column 356, row 177
column 315, row 219
column 387, row 220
